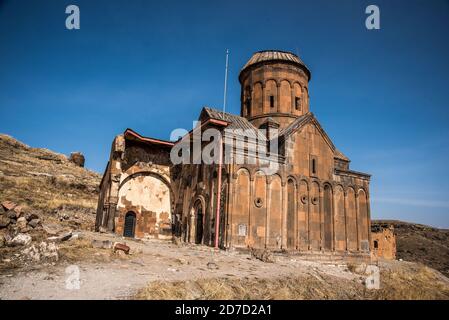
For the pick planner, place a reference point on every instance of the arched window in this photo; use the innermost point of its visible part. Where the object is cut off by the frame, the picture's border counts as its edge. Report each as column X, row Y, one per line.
column 297, row 103
column 248, row 106
column 376, row 244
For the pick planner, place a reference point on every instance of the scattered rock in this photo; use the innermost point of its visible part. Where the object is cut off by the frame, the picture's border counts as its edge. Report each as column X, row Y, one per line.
column 76, row 236
column 21, row 223
column 121, row 246
column 11, row 214
column 8, row 205
column 34, row 223
column 19, row 211
column 63, row 237
column 21, row 240
column 47, row 252
column 4, row 221
column 212, row 265
column 102, row 244
column 31, row 216
column 52, row 229
column 263, row 255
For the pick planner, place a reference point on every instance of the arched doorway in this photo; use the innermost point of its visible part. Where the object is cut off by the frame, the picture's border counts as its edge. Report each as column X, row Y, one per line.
column 130, row 225
column 199, row 222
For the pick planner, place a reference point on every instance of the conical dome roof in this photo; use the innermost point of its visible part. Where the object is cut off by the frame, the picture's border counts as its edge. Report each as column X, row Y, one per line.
column 275, row 56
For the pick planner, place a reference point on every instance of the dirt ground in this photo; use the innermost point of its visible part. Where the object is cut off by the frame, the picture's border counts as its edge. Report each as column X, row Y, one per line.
column 152, row 260
column 155, row 261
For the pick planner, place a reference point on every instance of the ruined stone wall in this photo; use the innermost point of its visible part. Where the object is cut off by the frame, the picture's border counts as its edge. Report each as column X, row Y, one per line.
column 101, row 217
column 383, row 242
column 145, row 190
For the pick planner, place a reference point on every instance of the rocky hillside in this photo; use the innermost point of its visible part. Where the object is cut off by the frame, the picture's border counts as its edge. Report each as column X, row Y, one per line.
column 421, row 243
column 47, row 182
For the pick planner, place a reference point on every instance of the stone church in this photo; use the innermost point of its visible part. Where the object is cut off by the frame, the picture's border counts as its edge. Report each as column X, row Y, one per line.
column 313, row 203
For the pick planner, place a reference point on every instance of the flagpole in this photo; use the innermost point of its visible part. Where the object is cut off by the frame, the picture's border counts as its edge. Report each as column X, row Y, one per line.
column 217, row 216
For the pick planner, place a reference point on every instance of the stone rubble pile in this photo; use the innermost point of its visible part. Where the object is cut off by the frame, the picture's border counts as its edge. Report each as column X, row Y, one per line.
column 18, row 229
column 16, row 223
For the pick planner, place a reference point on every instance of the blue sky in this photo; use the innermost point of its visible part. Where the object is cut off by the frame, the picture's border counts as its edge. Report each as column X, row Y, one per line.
column 382, row 96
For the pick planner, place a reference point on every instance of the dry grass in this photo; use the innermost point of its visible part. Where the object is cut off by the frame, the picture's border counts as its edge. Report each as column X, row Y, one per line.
column 74, row 251
column 285, row 288
column 82, row 250
column 420, row 283
column 423, row 283
column 39, row 179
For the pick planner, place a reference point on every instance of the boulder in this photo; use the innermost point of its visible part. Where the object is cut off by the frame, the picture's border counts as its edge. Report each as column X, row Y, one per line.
column 21, row 240
column 4, row 222
column 77, row 158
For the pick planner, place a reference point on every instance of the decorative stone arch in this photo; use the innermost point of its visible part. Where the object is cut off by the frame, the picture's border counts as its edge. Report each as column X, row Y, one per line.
column 155, row 175
column 239, row 218
column 271, row 90
column 339, row 216
column 363, row 189
column 271, row 79
column 259, row 208
column 296, row 82
column 328, row 223
column 270, row 178
column 291, row 214
column 257, row 98
column 351, row 218
column 292, row 178
column 315, row 235
column 243, row 169
column 318, row 182
column 306, row 180
column 329, row 184
column 363, row 219
column 305, row 92
column 142, row 204
column 303, row 213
